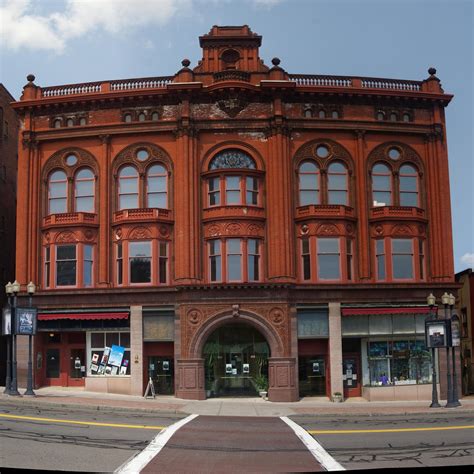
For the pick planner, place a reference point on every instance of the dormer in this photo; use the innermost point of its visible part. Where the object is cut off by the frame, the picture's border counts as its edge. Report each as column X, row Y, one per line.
column 230, row 48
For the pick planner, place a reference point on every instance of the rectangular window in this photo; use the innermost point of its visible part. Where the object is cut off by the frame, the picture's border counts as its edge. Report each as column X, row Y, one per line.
column 252, row 191
column 87, row 268
column 402, row 258
column 119, row 264
column 47, row 267
column 306, row 257
column 253, row 259
column 421, row 255
column 232, row 190
column 234, row 260
column 140, row 262
column 66, row 265
column 215, row 260
column 214, row 192
column 349, row 258
column 329, row 259
column 163, row 262
column 380, row 259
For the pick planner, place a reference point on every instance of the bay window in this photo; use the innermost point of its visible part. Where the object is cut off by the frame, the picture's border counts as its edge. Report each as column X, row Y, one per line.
column 141, row 262
column 241, row 261
column 329, row 259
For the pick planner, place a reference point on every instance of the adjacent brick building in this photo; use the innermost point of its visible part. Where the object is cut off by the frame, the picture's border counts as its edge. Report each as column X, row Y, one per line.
column 8, row 169
column 235, row 223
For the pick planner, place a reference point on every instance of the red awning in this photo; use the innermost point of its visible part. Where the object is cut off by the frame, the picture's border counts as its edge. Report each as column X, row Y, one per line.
column 366, row 311
column 83, row 316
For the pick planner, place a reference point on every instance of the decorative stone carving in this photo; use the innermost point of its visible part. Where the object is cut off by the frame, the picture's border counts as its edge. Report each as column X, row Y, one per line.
column 139, row 233
column 235, row 158
column 66, row 237
column 118, row 234
column 277, row 317
column 401, row 229
column 232, row 106
column 407, row 154
column 164, row 231
column 89, row 235
column 129, row 156
column 57, row 160
column 254, row 229
column 214, row 230
column 304, row 229
column 327, row 229
column 379, row 230
column 308, row 151
column 233, row 229
column 194, row 317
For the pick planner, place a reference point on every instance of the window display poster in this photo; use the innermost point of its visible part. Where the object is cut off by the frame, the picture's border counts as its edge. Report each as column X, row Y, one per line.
column 95, row 358
column 246, row 368
column 116, row 355
column 105, row 356
column 166, row 365
column 228, row 368
column 123, row 370
column 378, row 349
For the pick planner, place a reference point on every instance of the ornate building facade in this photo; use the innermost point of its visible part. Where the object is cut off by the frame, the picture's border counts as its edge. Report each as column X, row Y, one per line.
column 235, row 226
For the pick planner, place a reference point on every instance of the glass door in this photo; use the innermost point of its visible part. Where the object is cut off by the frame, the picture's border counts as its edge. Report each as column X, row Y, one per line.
column 161, row 371
column 77, row 367
column 351, row 376
column 312, row 375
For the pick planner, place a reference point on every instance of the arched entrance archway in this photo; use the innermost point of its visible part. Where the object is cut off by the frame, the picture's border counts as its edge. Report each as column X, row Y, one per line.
column 236, row 361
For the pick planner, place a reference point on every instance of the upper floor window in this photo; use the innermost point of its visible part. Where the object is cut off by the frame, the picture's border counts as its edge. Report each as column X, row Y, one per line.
column 84, row 185
column 399, row 259
column 234, row 260
column 325, row 259
column 128, row 188
column 157, row 187
column 57, row 192
column 395, row 189
column 233, row 180
column 331, row 187
column 69, row 265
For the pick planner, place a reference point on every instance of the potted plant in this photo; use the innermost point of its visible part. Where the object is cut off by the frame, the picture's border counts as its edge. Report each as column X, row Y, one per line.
column 261, row 384
column 337, row 397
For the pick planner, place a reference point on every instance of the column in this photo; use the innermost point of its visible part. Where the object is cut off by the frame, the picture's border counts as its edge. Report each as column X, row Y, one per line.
column 282, row 379
column 335, row 348
column 104, row 207
column 279, row 211
column 360, row 184
column 137, row 363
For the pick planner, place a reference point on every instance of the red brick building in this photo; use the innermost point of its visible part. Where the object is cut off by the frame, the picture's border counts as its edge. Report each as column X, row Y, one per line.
column 8, row 170
column 235, row 223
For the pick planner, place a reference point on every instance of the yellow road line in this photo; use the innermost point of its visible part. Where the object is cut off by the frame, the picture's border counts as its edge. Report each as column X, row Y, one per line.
column 88, row 423
column 393, row 430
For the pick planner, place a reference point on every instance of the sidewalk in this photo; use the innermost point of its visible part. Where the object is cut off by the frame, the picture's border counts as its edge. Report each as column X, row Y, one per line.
column 321, row 406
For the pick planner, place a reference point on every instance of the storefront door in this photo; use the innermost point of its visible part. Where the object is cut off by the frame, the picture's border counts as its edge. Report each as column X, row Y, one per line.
column 351, row 375
column 161, row 371
column 77, row 366
column 312, row 375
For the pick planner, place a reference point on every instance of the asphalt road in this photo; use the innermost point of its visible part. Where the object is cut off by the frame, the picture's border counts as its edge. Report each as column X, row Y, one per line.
column 30, row 442
column 72, row 439
column 391, row 441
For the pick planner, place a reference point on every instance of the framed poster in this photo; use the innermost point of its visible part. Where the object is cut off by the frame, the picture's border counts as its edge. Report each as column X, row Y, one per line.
column 437, row 333
column 105, row 356
column 25, row 319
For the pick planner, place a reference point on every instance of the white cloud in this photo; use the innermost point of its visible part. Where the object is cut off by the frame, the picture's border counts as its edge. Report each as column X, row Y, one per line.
column 21, row 27
column 468, row 259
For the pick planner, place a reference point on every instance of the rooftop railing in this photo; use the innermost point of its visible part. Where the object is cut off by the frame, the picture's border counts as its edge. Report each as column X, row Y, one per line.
column 314, row 80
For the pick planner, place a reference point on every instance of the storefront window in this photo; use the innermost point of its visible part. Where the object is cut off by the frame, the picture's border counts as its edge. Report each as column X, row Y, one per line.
column 398, row 362
column 99, row 343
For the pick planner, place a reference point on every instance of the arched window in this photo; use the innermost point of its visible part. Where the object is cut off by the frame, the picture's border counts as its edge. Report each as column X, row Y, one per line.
column 57, row 123
column 127, row 118
column 381, row 185
column 141, row 117
column 128, row 188
column 234, row 179
column 338, row 186
column 57, row 192
column 309, row 183
column 406, row 117
column 69, row 122
column 335, row 114
column 408, row 186
column 156, row 187
column 155, row 116
column 393, row 117
column 84, row 184
column 322, row 114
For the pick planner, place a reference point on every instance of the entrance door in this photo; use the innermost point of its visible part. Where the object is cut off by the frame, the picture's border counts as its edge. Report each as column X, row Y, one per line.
column 236, row 361
column 77, row 365
column 351, row 375
column 53, row 364
column 161, row 371
column 312, row 375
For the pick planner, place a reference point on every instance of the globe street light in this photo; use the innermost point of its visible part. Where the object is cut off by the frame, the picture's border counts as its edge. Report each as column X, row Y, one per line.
column 431, row 300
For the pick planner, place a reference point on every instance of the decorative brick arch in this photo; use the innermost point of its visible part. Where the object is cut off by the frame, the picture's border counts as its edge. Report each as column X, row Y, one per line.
column 220, row 319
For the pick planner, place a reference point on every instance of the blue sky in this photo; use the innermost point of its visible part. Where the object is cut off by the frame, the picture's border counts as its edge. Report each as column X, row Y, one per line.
column 69, row 41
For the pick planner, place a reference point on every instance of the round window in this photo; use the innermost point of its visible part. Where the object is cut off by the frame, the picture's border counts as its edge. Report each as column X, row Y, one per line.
column 394, row 153
column 142, row 155
column 71, row 160
column 322, row 151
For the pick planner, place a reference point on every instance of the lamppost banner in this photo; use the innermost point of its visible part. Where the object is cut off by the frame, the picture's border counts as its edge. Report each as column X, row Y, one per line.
column 6, row 322
column 25, row 321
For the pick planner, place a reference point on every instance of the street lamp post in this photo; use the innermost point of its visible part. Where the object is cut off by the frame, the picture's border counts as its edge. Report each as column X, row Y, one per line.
column 31, row 288
column 15, row 288
column 454, row 338
column 8, row 379
column 449, row 403
column 434, row 393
